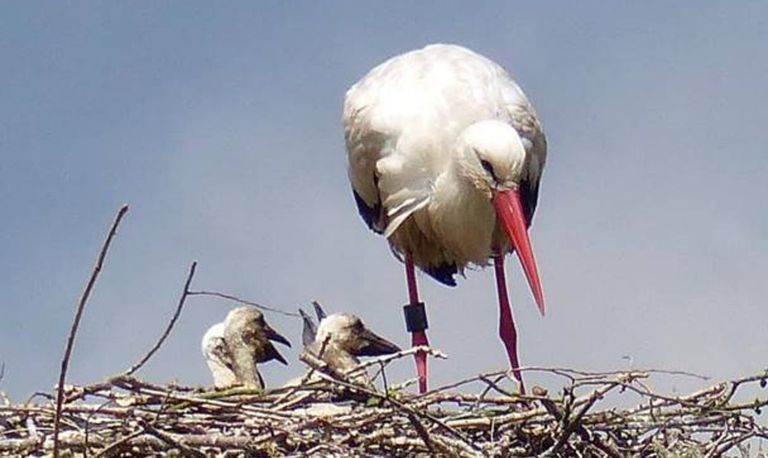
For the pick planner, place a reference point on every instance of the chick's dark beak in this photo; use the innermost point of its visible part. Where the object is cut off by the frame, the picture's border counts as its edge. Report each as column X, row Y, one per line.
column 276, row 336
column 374, row 345
column 270, row 350
column 272, row 353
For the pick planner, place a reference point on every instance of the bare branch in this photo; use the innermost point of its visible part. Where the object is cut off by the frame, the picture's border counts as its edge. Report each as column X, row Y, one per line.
column 76, row 323
column 232, row 298
column 185, row 292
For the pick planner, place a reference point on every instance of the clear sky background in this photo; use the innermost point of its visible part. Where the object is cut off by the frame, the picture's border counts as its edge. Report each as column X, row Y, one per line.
column 220, row 126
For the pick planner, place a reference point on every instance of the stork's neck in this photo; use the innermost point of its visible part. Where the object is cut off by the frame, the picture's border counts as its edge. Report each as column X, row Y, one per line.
column 339, row 359
column 335, row 356
column 244, row 366
column 458, row 181
column 223, row 377
column 463, row 215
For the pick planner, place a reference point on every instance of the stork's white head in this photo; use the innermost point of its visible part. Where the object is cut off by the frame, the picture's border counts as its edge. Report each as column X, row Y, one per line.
column 491, row 155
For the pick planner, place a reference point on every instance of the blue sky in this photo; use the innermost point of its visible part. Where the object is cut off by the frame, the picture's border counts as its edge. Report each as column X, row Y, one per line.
column 220, row 127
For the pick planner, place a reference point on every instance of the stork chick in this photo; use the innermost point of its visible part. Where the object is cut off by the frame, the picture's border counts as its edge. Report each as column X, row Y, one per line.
column 341, row 338
column 234, row 347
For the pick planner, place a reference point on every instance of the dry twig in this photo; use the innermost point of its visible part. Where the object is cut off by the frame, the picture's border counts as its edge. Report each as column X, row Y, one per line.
column 185, row 292
column 232, row 298
column 76, row 323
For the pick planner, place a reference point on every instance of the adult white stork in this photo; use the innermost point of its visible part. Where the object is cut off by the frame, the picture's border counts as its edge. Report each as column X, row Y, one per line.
column 445, row 156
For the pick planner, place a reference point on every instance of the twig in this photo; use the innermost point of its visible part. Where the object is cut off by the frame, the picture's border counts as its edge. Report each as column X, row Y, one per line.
column 88, row 424
column 385, row 359
column 76, row 323
column 306, row 378
column 496, row 387
column 384, row 381
column 168, row 439
column 230, row 297
column 423, row 434
column 168, row 329
column 326, row 371
column 571, row 425
column 111, row 448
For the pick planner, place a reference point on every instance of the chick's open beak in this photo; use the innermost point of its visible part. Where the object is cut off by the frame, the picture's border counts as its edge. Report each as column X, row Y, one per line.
column 276, row 336
column 271, row 351
column 375, row 345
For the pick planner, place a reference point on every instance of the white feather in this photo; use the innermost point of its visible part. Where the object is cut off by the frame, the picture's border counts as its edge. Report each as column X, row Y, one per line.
column 402, row 122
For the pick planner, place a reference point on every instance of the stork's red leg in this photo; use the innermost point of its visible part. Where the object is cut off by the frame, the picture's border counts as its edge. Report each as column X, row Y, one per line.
column 507, row 329
column 418, row 337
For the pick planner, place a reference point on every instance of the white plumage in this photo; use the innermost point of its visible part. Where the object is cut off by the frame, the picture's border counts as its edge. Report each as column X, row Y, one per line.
column 445, row 154
column 410, row 126
column 218, row 357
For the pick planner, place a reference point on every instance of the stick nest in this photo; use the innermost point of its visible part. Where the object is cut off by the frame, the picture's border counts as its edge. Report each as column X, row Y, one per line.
column 331, row 414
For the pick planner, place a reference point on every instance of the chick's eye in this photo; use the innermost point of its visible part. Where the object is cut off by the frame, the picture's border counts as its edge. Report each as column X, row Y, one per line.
column 488, row 167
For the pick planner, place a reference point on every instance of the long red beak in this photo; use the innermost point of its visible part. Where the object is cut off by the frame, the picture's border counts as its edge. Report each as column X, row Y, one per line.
column 510, row 211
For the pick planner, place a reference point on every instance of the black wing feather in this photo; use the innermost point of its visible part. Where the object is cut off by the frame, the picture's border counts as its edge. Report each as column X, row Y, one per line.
column 529, row 196
column 369, row 214
column 443, row 273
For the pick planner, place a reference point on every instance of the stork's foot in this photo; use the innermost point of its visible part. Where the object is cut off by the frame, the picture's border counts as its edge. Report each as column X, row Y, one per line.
column 508, row 335
column 507, row 328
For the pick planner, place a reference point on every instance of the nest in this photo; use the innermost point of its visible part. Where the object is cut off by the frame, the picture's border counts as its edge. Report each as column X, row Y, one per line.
column 333, row 414
column 328, row 413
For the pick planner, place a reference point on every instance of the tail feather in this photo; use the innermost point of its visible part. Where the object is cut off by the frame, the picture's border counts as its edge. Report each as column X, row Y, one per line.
column 443, row 273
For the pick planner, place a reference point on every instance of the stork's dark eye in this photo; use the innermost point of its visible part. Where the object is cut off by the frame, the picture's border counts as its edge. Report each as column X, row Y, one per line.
column 488, row 167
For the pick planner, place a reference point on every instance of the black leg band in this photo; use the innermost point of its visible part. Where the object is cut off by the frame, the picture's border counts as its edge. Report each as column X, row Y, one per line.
column 415, row 317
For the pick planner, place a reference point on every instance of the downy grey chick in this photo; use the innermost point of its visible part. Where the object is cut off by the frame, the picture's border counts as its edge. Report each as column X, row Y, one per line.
column 234, row 347
column 341, row 338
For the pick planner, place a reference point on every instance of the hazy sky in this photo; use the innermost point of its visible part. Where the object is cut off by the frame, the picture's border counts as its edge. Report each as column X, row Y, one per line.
column 220, row 126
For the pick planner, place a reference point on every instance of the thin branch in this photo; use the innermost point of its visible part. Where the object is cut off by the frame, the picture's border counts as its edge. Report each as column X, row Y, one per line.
column 232, row 298
column 76, row 323
column 168, row 439
column 168, row 329
column 110, row 449
column 341, row 379
column 495, row 386
column 421, row 431
column 386, row 359
column 573, row 424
